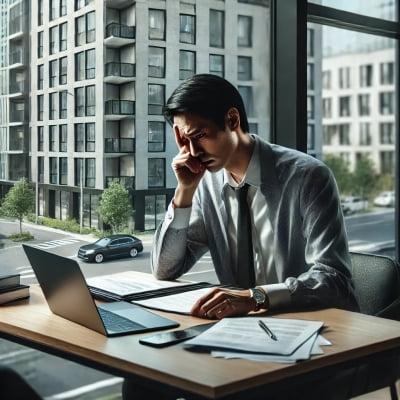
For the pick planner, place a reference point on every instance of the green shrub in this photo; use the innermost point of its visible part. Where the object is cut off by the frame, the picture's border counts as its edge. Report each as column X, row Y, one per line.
column 21, row 237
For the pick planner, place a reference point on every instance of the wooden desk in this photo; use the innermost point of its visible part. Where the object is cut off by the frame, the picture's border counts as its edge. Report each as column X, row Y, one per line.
column 354, row 337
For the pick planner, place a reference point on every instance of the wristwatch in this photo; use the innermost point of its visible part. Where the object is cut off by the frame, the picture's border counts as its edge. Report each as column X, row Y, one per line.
column 259, row 297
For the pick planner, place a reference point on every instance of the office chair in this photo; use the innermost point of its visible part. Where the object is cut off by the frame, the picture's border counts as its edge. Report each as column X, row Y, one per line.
column 377, row 288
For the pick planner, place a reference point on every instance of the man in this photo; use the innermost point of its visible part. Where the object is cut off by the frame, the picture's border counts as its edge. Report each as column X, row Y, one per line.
column 299, row 255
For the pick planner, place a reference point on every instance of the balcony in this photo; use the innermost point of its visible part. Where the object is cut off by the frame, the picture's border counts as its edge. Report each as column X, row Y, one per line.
column 119, row 72
column 119, row 145
column 127, row 181
column 118, row 35
column 17, row 89
column 119, row 109
column 17, row 59
column 119, row 4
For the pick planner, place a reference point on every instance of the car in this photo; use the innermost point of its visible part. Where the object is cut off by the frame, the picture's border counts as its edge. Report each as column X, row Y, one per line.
column 385, row 199
column 113, row 246
column 352, row 204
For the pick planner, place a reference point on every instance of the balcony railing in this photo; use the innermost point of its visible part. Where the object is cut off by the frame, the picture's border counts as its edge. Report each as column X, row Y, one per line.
column 127, row 181
column 120, row 107
column 123, row 70
column 119, row 145
column 16, row 57
column 121, row 31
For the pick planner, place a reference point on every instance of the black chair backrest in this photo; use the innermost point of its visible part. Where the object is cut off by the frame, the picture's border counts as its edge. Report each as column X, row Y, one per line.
column 376, row 282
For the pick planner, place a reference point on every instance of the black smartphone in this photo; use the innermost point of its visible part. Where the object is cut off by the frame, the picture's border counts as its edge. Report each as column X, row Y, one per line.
column 164, row 339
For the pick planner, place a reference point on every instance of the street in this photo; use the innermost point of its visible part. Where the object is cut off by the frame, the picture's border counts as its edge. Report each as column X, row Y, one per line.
column 55, row 378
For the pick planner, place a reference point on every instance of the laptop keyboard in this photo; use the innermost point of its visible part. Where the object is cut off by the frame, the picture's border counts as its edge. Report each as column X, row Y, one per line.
column 116, row 323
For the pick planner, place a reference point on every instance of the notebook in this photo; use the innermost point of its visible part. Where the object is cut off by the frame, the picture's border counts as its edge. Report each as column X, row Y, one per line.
column 68, row 296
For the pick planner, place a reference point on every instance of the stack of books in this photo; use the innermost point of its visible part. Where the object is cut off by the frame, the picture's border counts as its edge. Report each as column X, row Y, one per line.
column 11, row 288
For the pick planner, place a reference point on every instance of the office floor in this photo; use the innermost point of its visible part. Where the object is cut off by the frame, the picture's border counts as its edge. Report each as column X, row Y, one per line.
column 383, row 394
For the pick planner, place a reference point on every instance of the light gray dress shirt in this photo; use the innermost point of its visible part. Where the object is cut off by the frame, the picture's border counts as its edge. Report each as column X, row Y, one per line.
column 299, row 238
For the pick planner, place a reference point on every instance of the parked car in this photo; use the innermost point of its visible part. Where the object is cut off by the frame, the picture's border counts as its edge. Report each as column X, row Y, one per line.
column 385, row 199
column 352, row 204
column 112, row 246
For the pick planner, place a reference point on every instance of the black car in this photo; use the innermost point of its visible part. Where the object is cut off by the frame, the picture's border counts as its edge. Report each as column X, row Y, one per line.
column 112, row 246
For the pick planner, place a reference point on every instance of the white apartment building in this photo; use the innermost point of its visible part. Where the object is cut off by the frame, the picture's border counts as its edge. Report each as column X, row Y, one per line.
column 100, row 72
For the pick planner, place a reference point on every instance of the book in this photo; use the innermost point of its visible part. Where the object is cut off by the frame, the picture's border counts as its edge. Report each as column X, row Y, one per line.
column 128, row 286
column 13, row 292
column 9, row 280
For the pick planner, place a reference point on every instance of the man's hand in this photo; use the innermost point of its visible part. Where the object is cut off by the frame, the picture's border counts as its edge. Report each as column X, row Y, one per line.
column 220, row 303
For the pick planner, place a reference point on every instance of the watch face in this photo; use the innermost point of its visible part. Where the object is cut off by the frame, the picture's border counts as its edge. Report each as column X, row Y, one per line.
column 258, row 296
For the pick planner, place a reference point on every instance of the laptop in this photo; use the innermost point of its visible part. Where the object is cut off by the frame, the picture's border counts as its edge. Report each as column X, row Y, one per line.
column 68, row 296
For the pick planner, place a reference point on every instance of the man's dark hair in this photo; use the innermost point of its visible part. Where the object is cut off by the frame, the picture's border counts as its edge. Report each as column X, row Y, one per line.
column 208, row 96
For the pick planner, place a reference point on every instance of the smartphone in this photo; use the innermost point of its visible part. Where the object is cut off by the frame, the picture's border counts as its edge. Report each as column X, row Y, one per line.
column 165, row 339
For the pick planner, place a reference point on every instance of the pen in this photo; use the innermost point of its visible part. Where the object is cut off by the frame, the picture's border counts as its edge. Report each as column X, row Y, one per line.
column 265, row 328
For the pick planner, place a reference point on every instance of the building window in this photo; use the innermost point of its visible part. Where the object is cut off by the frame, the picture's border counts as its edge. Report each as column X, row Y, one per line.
column 80, row 66
column 85, row 29
column 63, row 36
column 187, row 64
column 40, row 108
column 247, row 95
column 90, row 100
column 310, row 76
column 52, row 138
column 386, row 133
column 63, row 70
column 90, row 137
column 364, row 104
column 365, row 75
column 344, row 78
column 40, row 76
column 79, row 102
column 63, row 138
column 78, row 170
column 53, row 67
column 365, row 134
column 40, row 44
column 156, row 141
column 40, row 138
column 327, row 107
column 326, row 79
column 344, row 134
column 40, row 12
column 386, row 103
column 156, row 24
column 63, row 104
column 155, row 206
column 156, row 168
column 85, row 101
column 90, row 169
column 53, row 40
column 81, row 3
column 156, row 99
column 79, row 137
column 217, row 28
column 310, row 107
column 52, row 10
column 244, row 29
column 40, row 170
column 63, row 8
column 244, row 68
column 187, row 33
column 53, row 105
column 310, row 42
column 90, row 64
column 156, row 62
column 90, row 27
column 53, row 170
column 387, row 73
column 85, row 137
column 63, row 170
column 344, row 106
column 217, row 65
column 387, row 162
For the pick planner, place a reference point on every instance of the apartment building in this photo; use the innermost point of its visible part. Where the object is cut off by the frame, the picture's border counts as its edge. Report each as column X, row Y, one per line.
column 100, row 72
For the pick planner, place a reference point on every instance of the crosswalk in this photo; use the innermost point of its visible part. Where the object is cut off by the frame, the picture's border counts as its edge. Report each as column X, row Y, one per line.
column 55, row 243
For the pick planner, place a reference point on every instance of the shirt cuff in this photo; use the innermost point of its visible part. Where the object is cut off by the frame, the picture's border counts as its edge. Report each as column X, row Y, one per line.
column 278, row 295
column 180, row 216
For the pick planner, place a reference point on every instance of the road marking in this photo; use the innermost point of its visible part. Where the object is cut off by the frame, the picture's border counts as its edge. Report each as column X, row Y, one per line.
column 55, row 243
column 85, row 389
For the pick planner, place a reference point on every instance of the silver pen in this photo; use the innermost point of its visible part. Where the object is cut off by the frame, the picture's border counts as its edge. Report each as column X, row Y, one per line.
column 265, row 328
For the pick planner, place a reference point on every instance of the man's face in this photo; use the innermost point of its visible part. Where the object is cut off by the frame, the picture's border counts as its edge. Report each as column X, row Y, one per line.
column 213, row 147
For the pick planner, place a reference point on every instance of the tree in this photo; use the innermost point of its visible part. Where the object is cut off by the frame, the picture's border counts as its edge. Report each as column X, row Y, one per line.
column 340, row 169
column 19, row 201
column 115, row 208
column 364, row 177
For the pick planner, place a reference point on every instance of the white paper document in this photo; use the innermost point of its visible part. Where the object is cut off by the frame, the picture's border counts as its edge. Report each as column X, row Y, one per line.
column 245, row 335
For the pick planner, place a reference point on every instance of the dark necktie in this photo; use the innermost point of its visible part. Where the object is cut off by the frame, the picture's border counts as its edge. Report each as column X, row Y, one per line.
column 245, row 263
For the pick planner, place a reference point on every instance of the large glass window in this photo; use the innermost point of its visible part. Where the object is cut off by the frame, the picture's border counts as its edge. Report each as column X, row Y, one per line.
column 187, row 32
column 217, row 65
column 245, row 27
column 156, row 99
column 217, row 28
column 187, row 64
column 156, row 62
column 156, row 24
column 156, row 168
column 156, row 136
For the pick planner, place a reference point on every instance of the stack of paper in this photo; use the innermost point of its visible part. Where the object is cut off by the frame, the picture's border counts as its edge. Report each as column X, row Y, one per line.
column 244, row 338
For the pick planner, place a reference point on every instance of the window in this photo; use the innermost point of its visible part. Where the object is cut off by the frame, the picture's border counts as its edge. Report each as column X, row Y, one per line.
column 63, row 138
column 63, row 36
column 40, row 108
column 156, row 24
column 344, row 137
column 344, row 77
column 90, row 27
column 187, row 64
column 63, row 8
column 364, row 104
column 79, row 137
column 326, row 79
column 40, row 12
column 344, row 106
column 310, row 76
column 365, row 75
column 40, row 76
column 365, row 134
column 53, row 70
column 90, row 100
column 247, row 95
column 40, row 138
column 78, row 170
column 80, row 66
column 310, row 42
column 52, row 11
column 63, row 170
column 217, row 65
column 81, row 3
column 387, row 162
column 386, row 103
column 40, row 167
column 244, row 68
column 244, row 30
column 85, row 101
column 156, row 168
column 53, row 40
column 52, row 138
column 79, row 102
column 53, row 170
column 85, row 29
column 156, row 62
column 53, row 105
column 156, row 141
column 217, row 28
column 156, row 99
column 63, row 64
column 155, row 206
column 40, row 44
column 90, row 63
column 327, row 108
column 85, row 137
column 387, row 73
column 386, row 133
column 63, row 105
column 90, row 136
column 90, row 168
column 187, row 32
